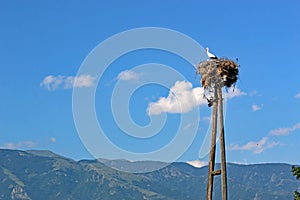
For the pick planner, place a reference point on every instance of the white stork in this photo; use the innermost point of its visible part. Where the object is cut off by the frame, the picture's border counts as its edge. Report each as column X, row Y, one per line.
column 210, row 55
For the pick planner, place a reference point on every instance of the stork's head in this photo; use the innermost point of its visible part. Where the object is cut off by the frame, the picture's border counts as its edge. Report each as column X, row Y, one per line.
column 207, row 49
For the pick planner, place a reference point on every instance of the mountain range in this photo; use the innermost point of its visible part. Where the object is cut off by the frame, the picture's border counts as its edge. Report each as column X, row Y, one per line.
column 45, row 175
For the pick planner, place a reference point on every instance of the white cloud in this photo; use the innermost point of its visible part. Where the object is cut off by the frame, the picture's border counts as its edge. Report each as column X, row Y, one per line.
column 52, row 139
column 253, row 93
column 67, row 82
column 263, row 144
column 284, row 131
column 233, row 92
column 206, row 118
column 256, row 107
column 128, row 75
column 52, row 82
column 182, row 98
column 197, row 163
column 256, row 147
column 186, row 127
column 16, row 145
column 297, row 96
column 79, row 81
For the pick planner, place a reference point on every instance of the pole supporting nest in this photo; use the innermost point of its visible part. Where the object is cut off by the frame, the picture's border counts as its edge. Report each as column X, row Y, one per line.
column 215, row 74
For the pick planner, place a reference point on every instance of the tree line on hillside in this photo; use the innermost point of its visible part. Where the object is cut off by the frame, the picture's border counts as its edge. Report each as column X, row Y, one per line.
column 296, row 172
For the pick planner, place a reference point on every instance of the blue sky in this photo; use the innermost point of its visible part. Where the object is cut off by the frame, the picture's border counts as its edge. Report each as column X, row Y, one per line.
column 44, row 43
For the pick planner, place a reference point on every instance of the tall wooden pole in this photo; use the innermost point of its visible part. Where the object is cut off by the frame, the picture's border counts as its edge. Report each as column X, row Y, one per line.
column 217, row 111
column 211, row 164
column 222, row 146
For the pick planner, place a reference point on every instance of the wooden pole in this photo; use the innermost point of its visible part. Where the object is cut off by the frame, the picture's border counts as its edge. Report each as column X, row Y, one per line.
column 211, row 164
column 222, row 145
column 217, row 112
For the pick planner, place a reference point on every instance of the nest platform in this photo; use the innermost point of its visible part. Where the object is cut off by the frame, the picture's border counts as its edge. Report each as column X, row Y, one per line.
column 218, row 73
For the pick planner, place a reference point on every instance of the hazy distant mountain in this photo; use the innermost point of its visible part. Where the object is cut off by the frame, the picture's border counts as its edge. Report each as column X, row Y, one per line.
column 133, row 167
column 45, row 175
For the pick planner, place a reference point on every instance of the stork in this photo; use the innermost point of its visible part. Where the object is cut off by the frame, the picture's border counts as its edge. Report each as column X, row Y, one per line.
column 210, row 55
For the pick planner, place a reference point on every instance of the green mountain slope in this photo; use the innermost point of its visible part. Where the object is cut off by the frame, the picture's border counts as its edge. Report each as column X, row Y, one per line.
column 43, row 174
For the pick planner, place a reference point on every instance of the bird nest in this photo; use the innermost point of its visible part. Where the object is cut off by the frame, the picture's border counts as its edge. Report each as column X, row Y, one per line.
column 218, row 73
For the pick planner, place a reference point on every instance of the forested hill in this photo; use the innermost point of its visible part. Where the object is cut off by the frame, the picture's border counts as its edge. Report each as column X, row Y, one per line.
column 45, row 175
